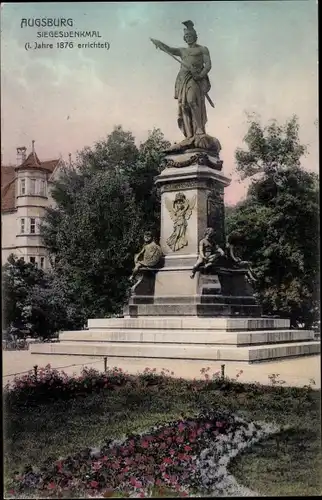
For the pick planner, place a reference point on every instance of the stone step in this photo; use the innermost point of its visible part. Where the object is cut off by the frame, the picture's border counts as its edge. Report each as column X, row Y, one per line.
column 184, row 352
column 190, row 323
column 187, row 336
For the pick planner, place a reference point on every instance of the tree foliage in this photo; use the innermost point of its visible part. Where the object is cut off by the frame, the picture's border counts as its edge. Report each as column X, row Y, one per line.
column 103, row 206
column 278, row 221
column 35, row 300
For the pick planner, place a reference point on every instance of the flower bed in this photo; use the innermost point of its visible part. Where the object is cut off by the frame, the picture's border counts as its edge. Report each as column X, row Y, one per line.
column 187, row 457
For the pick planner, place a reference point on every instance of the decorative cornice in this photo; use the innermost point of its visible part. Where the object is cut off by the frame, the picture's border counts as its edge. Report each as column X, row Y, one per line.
column 196, row 159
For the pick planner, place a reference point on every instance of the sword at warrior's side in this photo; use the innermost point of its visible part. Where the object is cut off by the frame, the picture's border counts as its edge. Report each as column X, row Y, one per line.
column 187, row 67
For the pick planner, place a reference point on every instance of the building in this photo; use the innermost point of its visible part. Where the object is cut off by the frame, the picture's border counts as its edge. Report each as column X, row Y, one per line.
column 25, row 195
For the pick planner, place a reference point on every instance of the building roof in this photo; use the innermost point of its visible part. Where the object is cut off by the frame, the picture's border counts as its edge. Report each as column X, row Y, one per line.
column 8, row 176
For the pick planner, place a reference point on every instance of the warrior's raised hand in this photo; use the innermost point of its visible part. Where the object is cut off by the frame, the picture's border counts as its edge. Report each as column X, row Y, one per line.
column 157, row 43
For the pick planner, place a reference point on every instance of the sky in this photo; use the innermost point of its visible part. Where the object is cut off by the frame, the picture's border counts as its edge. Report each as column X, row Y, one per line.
column 264, row 60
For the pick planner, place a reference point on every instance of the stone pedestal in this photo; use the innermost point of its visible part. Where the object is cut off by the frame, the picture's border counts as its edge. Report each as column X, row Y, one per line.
column 195, row 178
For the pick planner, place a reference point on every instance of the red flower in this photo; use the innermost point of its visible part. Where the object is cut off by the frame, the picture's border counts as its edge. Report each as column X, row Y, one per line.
column 181, row 427
column 51, row 486
column 134, row 482
column 59, row 465
column 167, row 460
column 93, row 484
column 187, row 448
column 144, row 444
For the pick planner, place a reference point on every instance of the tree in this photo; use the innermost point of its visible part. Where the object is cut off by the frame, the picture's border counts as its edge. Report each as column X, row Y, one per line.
column 35, row 300
column 18, row 278
column 103, row 206
column 278, row 221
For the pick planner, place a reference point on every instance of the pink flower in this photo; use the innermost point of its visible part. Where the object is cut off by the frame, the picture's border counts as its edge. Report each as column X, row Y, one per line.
column 51, row 486
column 180, row 439
column 93, row 484
column 187, row 448
column 219, row 424
column 167, row 460
column 181, row 427
column 134, row 482
column 144, row 444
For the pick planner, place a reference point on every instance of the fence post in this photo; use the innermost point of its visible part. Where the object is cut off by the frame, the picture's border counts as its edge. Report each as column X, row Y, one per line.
column 36, row 372
column 222, row 371
column 105, row 364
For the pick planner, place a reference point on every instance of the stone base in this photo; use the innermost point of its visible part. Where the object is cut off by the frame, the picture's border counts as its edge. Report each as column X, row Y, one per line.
column 199, row 310
column 170, row 291
column 185, row 339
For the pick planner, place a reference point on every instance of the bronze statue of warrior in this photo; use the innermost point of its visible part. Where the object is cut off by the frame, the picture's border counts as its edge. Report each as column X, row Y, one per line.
column 192, row 83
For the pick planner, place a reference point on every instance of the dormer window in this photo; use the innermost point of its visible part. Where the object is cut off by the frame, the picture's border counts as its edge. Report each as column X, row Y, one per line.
column 22, row 187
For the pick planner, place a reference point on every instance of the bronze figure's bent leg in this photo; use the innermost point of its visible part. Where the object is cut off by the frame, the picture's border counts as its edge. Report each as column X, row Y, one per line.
column 197, row 265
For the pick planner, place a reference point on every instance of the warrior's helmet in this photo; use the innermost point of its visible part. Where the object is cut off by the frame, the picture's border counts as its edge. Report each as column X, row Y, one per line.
column 189, row 30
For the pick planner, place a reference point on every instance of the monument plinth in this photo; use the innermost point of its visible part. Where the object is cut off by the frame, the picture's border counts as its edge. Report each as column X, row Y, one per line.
column 192, row 299
column 192, row 200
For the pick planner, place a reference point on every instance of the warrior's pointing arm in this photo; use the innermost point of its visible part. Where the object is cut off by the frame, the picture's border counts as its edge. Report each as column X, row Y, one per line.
column 166, row 48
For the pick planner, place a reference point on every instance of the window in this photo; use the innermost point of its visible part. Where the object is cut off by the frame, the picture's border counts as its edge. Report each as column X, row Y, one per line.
column 32, row 186
column 22, row 187
column 32, row 225
column 42, row 188
column 42, row 262
column 22, row 226
column 32, row 260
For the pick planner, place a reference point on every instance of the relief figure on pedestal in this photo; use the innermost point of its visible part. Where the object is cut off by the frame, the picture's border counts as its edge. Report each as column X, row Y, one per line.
column 180, row 211
column 149, row 256
column 209, row 252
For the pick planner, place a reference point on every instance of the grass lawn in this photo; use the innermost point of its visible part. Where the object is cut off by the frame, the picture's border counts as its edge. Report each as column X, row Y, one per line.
column 286, row 464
